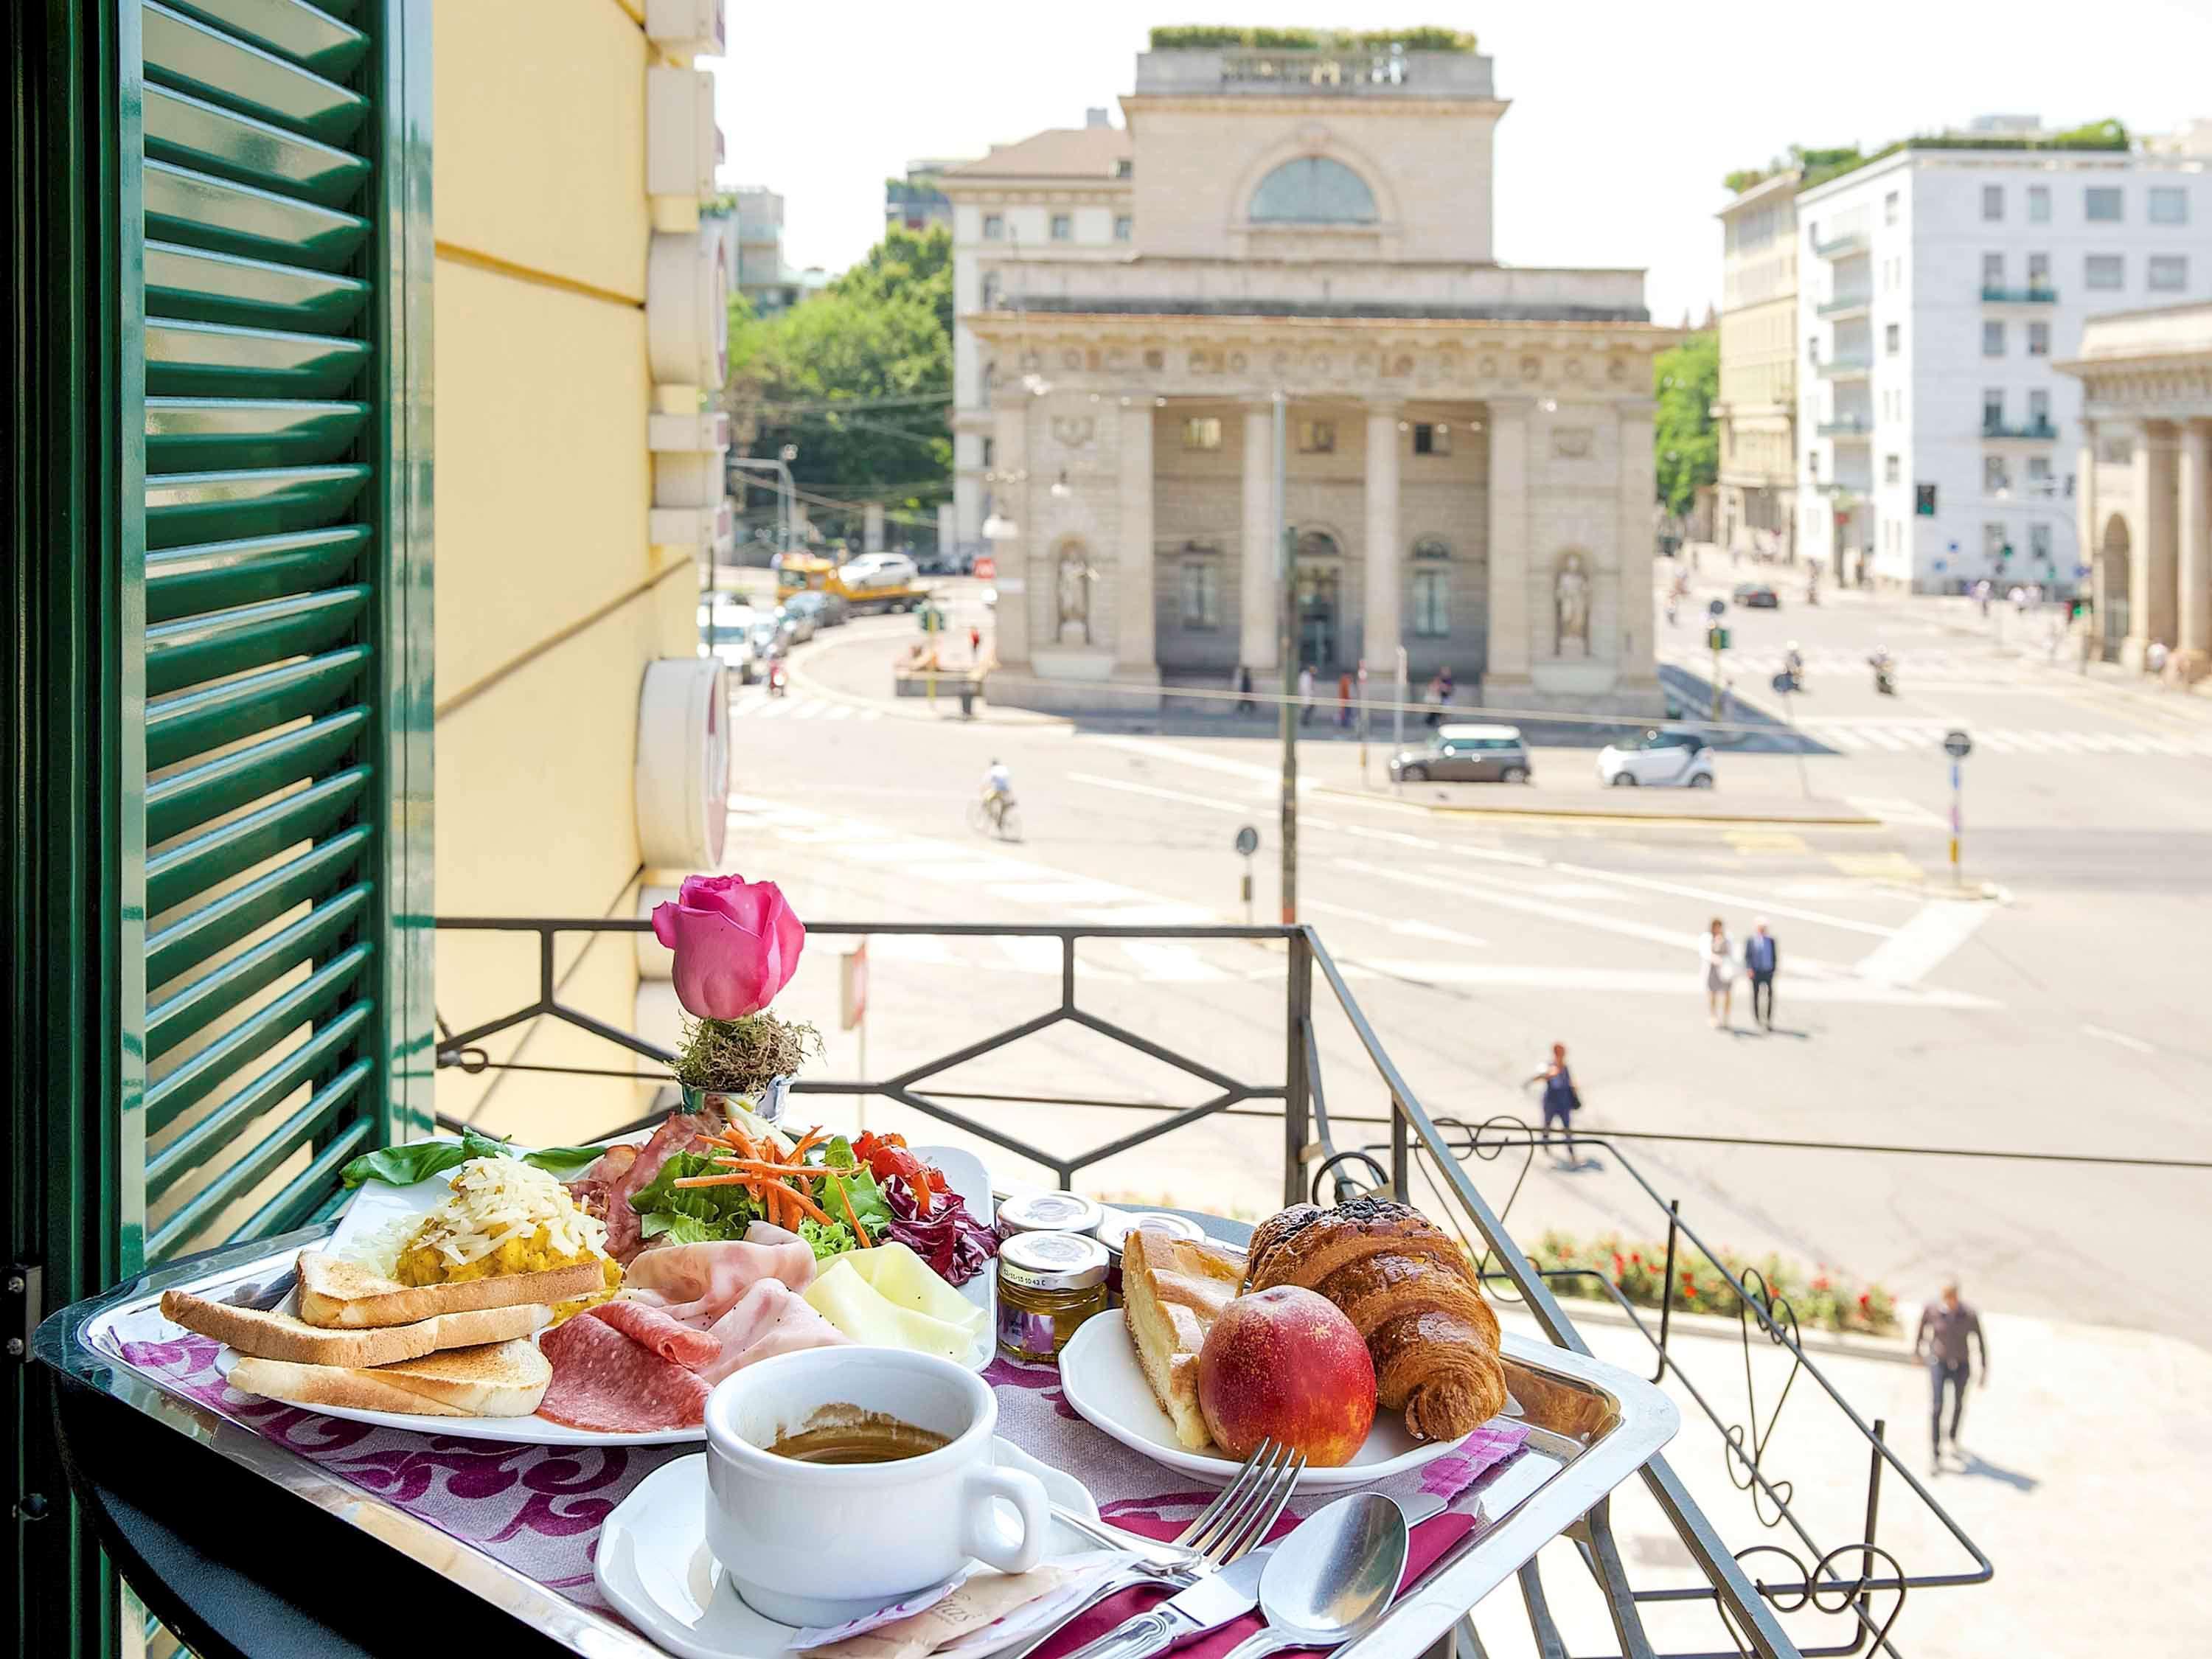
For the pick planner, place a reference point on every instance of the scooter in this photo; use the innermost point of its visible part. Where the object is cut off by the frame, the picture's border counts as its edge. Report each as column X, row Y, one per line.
column 1885, row 676
column 779, row 679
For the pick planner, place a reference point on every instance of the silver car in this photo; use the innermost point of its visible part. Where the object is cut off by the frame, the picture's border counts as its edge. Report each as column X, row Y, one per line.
column 1465, row 754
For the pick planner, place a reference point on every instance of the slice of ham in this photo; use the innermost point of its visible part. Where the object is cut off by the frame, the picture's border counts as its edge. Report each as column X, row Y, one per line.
column 672, row 1339
column 604, row 1382
column 769, row 1319
column 678, row 1135
column 700, row 1283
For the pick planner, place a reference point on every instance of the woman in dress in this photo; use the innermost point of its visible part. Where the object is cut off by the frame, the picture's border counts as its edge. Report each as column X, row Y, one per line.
column 1719, row 952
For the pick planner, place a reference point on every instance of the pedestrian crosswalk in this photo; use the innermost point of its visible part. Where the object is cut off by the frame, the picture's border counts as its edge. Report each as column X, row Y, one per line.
column 1753, row 670
column 1899, row 737
column 753, row 703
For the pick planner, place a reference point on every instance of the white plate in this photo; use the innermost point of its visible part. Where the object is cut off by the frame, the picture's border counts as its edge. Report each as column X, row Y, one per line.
column 377, row 1204
column 652, row 1562
column 1103, row 1379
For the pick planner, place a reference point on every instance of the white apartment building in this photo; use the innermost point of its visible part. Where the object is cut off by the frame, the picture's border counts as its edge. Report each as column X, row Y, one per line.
column 1938, row 287
column 1756, row 414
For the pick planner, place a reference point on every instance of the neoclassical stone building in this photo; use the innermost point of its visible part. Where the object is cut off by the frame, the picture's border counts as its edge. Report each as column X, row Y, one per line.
column 2146, row 497
column 1469, row 468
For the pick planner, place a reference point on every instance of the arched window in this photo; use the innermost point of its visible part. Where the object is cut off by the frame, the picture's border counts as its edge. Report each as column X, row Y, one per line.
column 1318, row 544
column 1431, row 589
column 1313, row 190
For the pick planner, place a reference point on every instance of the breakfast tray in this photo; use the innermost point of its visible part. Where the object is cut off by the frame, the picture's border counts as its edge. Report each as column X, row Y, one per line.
column 1590, row 1426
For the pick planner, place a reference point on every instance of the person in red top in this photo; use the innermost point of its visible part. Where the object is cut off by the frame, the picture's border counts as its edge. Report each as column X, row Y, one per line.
column 1344, row 699
column 975, row 643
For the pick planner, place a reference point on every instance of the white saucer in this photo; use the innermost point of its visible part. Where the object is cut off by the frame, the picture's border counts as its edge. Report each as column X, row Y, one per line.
column 653, row 1564
column 1102, row 1378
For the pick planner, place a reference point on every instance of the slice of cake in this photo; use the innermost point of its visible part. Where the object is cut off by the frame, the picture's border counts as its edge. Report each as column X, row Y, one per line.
column 1172, row 1290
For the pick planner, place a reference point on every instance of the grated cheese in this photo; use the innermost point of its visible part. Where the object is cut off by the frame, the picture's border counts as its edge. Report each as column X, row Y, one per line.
column 498, row 1199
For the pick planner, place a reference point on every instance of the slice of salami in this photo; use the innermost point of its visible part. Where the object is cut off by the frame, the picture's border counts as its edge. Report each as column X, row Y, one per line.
column 605, row 1383
column 672, row 1339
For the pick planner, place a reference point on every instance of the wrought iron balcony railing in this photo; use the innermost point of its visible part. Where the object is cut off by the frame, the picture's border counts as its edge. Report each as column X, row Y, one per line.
column 2039, row 431
column 2033, row 294
column 1444, row 1163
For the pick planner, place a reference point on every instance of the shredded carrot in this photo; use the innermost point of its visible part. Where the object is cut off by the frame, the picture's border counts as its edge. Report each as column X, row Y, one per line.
column 757, row 1166
column 717, row 1181
column 808, row 1205
column 858, row 1232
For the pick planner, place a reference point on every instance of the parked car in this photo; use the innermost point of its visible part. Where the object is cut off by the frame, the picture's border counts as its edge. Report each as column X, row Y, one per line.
column 798, row 624
column 768, row 638
column 1660, row 759
column 1757, row 596
column 823, row 610
column 725, row 630
column 1465, row 754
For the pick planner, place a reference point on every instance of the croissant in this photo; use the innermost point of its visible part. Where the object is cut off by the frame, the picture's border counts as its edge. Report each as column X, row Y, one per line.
column 1409, row 1290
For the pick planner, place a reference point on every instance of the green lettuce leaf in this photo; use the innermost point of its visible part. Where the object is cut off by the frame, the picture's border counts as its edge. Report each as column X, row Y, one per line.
column 714, row 1212
column 832, row 1238
column 870, row 1206
column 418, row 1160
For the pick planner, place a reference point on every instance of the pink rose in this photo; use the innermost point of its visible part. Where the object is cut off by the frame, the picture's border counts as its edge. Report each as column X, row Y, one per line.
column 737, row 943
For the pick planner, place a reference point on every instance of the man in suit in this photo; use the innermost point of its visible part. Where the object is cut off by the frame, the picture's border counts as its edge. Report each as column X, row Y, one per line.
column 1760, row 959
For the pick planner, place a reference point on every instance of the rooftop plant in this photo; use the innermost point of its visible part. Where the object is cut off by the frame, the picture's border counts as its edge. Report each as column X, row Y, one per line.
column 2106, row 135
column 1205, row 36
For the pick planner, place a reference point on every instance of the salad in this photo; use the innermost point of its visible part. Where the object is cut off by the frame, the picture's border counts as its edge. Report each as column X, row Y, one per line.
column 837, row 1194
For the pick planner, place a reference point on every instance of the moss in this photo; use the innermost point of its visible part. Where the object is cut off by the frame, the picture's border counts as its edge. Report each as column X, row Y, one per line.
column 743, row 1056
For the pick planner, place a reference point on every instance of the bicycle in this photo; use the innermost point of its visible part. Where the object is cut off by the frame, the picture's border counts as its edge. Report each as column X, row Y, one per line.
column 990, row 814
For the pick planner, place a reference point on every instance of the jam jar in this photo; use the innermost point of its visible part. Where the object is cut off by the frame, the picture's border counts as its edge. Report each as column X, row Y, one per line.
column 1048, row 1213
column 1048, row 1284
column 1119, row 1225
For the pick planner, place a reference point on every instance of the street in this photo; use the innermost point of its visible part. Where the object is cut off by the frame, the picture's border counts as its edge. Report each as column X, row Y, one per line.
column 1905, row 1015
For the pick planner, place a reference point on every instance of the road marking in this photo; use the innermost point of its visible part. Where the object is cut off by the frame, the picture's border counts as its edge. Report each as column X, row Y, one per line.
column 1031, row 955
column 1878, row 866
column 2121, row 1037
column 1895, row 809
column 1477, row 891
column 1159, row 793
column 1170, row 961
column 1941, row 927
column 1149, row 915
column 1673, row 982
column 1065, row 891
column 1153, row 749
column 1765, row 841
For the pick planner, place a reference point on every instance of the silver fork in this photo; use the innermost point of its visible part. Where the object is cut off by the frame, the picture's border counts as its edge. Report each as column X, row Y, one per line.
column 1235, row 1523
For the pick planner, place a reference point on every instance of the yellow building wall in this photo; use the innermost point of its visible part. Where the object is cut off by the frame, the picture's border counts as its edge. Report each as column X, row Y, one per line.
column 548, row 601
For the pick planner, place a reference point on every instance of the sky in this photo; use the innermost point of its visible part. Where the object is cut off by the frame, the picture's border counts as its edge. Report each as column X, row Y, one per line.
column 1623, row 117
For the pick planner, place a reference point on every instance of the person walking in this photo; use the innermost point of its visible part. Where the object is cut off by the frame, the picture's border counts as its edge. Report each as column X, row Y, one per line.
column 1243, row 689
column 1305, row 694
column 1760, row 959
column 1344, row 698
column 1719, row 953
column 974, row 644
column 1946, row 1327
column 1560, row 1100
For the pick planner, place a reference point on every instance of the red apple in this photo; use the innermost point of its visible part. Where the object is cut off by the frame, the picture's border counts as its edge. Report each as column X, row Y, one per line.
column 1285, row 1363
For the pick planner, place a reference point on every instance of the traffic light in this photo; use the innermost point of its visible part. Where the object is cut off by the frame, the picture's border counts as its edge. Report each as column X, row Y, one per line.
column 1716, row 639
column 1924, row 499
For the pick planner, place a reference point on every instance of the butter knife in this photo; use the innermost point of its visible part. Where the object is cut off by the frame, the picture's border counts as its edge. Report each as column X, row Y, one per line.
column 1211, row 1602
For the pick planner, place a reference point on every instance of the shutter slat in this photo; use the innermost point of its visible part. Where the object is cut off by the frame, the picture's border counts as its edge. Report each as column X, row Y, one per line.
column 186, row 581
column 286, row 27
column 175, row 873
column 214, row 994
column 191, row 434
column 186, row 651
column 202, row 210
column 257, row 1165
column 252, row 1037
column 198, row 793
column 185, row 53
column 208, row 138
column 181, row 726
column 183, row 358
column 309, row 1195
column 194, row 937
column 189, row 284
column 183, row 506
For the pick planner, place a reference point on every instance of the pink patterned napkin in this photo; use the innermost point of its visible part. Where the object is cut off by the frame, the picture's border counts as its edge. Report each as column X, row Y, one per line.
column 539, row 1508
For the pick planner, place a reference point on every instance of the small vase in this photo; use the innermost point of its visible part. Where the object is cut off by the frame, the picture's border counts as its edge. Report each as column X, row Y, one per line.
column 768, row 1106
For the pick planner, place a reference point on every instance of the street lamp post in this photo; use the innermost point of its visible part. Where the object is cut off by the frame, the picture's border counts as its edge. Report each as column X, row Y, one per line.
column 780, row 466
column 1286, row 576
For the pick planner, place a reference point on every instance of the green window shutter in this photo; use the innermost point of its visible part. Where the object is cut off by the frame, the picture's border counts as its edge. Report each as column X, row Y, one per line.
column 285, row 648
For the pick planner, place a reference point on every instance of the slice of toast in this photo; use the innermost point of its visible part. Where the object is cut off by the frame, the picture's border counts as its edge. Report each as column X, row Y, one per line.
column 496, row 1379
column 1172, row 1290
column 338, row 1294
column 280, row 1336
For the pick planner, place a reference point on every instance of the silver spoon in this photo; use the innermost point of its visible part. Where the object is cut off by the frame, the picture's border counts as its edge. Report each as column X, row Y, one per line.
column 1333, row 1577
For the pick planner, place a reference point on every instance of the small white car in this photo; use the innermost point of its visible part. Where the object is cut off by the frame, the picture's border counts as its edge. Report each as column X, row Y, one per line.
column 725, row 627
column 1660, row 759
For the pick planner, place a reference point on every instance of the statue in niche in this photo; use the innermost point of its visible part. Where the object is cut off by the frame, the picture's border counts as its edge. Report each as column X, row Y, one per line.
column 1076, row 576
column 1571, row 605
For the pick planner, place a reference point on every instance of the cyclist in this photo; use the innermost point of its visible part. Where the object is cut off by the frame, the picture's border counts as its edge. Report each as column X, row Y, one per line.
column 998, row 789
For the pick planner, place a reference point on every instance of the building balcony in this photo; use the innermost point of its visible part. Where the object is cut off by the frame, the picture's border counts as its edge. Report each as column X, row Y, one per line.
column 1847, row 368
column 1844, row 304
column 1849, row 428
column 1849, row 246
column 2019, row 297
column 2025, row 431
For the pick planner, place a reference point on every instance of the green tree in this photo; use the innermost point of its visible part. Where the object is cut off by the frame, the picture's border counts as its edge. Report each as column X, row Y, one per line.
column 879, row 338
column 1685, row 449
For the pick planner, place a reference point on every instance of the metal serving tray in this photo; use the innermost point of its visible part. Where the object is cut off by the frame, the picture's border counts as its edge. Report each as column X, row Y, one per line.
column 1592, row 1426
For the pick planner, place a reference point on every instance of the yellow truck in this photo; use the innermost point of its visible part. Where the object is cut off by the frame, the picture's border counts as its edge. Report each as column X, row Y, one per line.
column 873, row 581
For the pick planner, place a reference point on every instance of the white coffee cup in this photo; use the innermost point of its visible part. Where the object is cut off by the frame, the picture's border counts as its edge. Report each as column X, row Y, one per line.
column 819, row 1543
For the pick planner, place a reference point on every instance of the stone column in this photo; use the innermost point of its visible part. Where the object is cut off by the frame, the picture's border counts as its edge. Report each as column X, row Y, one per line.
column 1256, row 554
column 1630, row 641
column 1134, row 650
column 2193, row 573
column 1383, row 632
column 2085, row 526
column 2151, row 562
column 1511, row 555
column 1010, row 500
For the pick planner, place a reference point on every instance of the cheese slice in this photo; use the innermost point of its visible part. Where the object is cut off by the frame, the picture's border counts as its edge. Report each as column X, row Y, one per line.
column 887, row 1297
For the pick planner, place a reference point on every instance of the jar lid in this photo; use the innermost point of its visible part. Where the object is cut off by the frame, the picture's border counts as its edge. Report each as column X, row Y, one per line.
column 1050, row 1213
column 1052, row 1261
column 1116, row 1228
